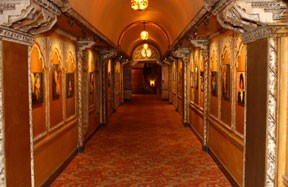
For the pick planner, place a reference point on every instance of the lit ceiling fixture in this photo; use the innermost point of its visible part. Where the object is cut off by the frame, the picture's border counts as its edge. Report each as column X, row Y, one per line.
column 144, row 34
column 146, row 51
column 139, row 4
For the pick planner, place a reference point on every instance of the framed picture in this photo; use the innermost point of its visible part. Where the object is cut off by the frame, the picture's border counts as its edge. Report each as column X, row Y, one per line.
column 226, row 81
column 37, row 86
column 240, row 88
column 70, row 85
column 191, row 80
column 202, row 81
column 56, row 81
column 91, row 82
column 196, row 77
column 109, row 79
column 214, row 84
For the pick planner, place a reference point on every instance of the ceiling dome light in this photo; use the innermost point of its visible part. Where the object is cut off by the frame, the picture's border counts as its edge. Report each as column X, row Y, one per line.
column 139, row 4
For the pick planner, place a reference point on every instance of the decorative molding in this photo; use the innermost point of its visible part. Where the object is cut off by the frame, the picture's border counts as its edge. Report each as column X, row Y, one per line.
column 271, row 116
column 209, row 4
column 219, row 5
column 66, row 34
column 66, row 8
column 2, row 150
column 16, row 36
column 264, row 32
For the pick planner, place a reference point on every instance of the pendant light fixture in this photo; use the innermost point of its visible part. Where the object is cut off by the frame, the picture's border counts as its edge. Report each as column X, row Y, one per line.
column 139, row 4
column 144, row 35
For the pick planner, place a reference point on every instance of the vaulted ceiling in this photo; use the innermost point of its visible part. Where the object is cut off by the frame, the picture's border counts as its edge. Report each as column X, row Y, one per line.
column 120, row 25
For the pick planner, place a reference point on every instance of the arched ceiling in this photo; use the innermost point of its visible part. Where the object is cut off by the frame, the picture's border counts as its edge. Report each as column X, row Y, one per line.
column 165, row 20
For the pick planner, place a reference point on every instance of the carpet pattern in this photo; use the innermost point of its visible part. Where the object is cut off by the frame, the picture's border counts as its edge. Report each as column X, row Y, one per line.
column 144, row 144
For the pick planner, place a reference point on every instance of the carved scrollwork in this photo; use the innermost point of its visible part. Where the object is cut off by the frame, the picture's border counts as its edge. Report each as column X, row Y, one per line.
column 245, row 16
column 29, row 17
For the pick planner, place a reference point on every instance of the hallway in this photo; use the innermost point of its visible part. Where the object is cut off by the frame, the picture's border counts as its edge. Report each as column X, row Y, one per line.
column 144, row 144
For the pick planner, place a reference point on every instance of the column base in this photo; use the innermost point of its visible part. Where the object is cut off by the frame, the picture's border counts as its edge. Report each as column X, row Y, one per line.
column 205, row 148
column 80, row 149
column 186, row 124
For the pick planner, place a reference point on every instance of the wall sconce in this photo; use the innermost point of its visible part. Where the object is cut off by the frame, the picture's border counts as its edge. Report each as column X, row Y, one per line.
column 152, row 83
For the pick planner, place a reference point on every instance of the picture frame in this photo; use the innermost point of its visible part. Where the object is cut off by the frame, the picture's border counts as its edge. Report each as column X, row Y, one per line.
column 196, row 77
column 214, row 83
column 201, row 81
column 241, row 88
column 56, row 81
column 91, row 82
column 225, row 72
column 37, row 88
column 70, row 84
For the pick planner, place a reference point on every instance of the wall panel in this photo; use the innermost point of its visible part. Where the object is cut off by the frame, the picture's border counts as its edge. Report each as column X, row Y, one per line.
column 16, row 114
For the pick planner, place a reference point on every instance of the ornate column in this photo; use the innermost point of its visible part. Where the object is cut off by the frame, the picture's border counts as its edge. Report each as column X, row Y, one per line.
column 171, row 60
column 255, row 20
column 184, row 54
column 123, row 63
column 203, row 43
column 105, row 54
column 83, row 112
column 20, row 20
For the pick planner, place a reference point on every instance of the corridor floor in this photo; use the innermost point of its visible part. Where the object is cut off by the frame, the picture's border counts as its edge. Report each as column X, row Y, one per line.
column 144, row 144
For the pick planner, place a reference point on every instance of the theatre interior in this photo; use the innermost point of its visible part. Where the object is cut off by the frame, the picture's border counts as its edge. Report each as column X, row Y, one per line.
column 68, row 66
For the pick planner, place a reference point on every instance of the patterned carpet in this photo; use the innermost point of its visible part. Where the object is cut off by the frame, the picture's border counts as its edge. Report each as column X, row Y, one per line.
column 143, row 145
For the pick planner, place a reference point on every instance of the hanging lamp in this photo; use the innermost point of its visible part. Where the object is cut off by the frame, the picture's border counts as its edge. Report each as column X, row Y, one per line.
column 139, row 4
column 144, row 35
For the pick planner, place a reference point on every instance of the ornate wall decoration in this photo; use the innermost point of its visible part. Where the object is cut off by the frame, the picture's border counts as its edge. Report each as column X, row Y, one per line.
column 139, row 54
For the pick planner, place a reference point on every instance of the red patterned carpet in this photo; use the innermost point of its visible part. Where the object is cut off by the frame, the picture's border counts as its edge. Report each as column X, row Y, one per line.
column 144, row 144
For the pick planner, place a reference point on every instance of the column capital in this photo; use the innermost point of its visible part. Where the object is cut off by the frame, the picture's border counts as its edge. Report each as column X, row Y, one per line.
column 254, row 18
column 202, row 43
column 108, row 53
column 85, row 44
column 183, row 53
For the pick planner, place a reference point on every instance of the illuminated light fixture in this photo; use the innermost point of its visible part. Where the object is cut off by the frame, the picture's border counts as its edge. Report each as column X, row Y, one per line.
column 146, row 51
column 144, row 35
column 152, row 83
column 139, row 4
column 145, row 46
